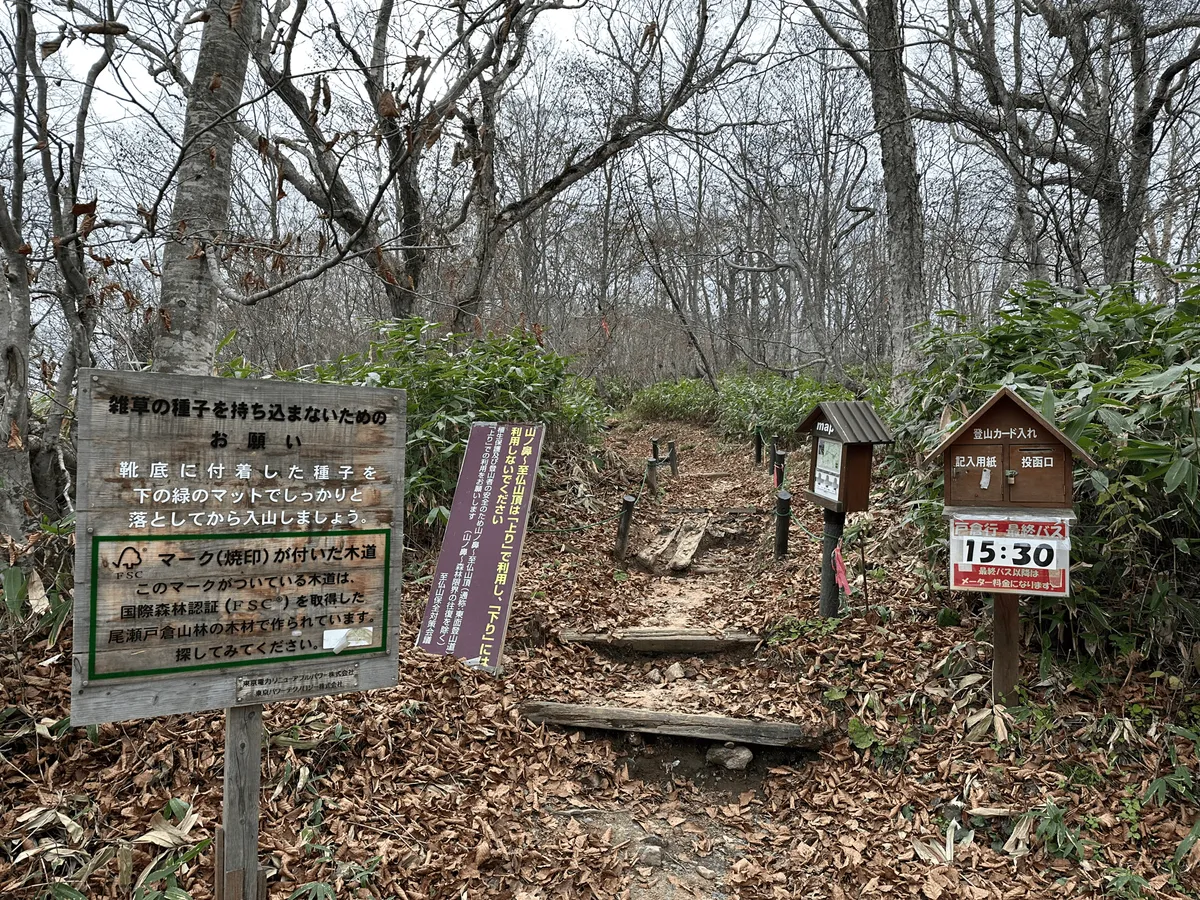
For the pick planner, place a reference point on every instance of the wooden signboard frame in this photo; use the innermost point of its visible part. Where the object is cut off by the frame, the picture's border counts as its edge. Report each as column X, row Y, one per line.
column 839, row 479
column 1010, row 464
column 108, row 500
column 237, row 541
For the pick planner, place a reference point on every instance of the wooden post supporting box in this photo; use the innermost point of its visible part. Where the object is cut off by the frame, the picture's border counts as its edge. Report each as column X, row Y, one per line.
column 839, row 473
column 1009, row 489
column 839, row 476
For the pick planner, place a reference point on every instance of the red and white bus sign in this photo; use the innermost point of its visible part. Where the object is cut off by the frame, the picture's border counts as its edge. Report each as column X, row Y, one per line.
column 1010, row 554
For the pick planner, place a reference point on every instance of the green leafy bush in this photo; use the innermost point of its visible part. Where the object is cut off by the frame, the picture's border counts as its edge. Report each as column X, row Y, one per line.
column 685, row 400
column 1119, row 374
column 777, row 405
column 741, row 402
column 452, row 381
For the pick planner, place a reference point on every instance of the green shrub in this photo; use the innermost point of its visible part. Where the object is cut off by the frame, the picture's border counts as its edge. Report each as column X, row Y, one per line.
column 685, row 400
column 452, row 381
column 1119, row 374
column 777, row 405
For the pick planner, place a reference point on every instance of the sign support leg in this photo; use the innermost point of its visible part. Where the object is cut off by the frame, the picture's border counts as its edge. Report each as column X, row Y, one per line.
column 1006, row 648
column 237, row 875
column 835, row 524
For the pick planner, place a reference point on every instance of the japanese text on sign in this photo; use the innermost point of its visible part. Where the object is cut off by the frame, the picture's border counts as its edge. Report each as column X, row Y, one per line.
column 469, row 601
column 1013, row 555
column 237, row 525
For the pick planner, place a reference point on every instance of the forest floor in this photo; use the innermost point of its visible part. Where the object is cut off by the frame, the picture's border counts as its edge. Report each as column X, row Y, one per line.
column 441, row 788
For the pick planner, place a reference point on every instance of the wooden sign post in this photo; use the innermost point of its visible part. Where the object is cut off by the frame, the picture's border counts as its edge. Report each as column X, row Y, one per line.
column 471, row 593
column 1009, row 496
column 237, row 542
column 839, row 475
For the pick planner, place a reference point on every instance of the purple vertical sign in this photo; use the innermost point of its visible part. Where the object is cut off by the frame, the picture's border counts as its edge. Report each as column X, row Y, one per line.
column 469, row 602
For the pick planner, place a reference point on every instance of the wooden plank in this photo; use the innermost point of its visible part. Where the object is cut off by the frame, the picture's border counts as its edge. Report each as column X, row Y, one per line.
column 709, row 728
column 1006, row 648
column 243, row 778
column 689, row 544
column 648, row 557
column 664, row 640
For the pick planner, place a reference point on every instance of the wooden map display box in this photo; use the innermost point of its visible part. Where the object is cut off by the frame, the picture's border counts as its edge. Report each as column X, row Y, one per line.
column 844, row 433
column 1008, row 455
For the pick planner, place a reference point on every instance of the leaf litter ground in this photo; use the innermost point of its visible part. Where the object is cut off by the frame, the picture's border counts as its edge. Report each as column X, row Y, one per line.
column 439, row 787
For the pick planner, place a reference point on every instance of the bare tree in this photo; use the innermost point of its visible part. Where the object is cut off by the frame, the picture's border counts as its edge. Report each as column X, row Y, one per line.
column 1071, row 99
column 882, row 61
column 187, row 328
column 49, row 235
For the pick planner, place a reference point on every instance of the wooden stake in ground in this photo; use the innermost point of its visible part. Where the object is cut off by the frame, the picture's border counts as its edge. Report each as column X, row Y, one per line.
column 652, row 476
column 237, row 876
column 1006, row 648
column 628, row 502
column 783, row 520
column 835, row 524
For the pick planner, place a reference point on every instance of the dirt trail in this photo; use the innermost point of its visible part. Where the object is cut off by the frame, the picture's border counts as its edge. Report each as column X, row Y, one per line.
column 868, row 817
column 681, row 850
column 441, row 788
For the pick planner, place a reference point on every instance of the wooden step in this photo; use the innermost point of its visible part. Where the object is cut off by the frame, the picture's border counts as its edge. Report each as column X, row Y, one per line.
column 664, row 640
column 690, row 537
column 649, row 721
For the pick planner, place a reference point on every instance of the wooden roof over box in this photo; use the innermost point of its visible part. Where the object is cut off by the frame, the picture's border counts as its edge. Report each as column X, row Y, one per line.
column 1010, row 394
column 855, row 421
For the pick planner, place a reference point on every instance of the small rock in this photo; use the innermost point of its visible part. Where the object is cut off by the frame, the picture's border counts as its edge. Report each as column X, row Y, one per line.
column 706, row 873
column 675, row 672
column 633, row 739
column 654, row 676
column 650, row 855
column 733, row 757
column 655, row 840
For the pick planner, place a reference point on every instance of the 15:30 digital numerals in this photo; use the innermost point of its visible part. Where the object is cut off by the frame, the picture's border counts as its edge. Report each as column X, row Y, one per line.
column 1009, row 552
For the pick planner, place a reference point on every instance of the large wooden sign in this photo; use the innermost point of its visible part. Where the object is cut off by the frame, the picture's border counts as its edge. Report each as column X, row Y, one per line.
column 1009, row 488
column 237, row 542
column 471, row 594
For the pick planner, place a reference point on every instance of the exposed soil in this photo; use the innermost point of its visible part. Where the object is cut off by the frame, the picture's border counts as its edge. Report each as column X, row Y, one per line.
column 440, row 788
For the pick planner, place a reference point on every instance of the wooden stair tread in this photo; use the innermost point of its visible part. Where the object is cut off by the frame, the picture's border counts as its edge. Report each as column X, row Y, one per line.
column 689, row 725
column 655, row 639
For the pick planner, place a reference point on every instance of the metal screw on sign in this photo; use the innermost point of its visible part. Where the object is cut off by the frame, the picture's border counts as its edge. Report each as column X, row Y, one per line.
column 783, row 519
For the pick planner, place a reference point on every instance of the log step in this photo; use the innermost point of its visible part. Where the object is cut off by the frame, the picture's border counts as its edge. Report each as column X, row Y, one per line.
column 664, row 640
column 649, row 721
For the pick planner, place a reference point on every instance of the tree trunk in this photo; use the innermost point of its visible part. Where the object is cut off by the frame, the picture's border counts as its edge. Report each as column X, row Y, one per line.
column 898, row 151
column 16, row 479
column 481, row 139
column 187, row 330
